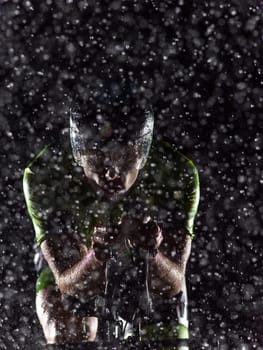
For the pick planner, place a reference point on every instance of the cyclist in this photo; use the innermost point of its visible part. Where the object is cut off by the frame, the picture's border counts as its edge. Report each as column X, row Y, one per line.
column 110, row 182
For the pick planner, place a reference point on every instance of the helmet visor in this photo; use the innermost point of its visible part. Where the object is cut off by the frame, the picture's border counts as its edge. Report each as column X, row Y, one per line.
column 89, row 137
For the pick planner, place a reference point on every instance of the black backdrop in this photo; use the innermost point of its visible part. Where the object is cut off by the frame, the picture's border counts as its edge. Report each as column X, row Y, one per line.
column 200, row 64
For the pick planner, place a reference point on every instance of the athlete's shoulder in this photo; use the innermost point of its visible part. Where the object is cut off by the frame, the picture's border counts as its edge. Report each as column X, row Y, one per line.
column 52, row 155
column 41, row 156
column 173, row 164
column 169, row 153
column 189, row 164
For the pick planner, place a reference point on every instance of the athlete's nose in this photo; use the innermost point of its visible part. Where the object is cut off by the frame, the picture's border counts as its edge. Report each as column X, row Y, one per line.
column 111, row 174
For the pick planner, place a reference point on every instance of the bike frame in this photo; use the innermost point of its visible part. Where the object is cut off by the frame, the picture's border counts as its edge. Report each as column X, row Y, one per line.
column 114, row 333
column 111, row 328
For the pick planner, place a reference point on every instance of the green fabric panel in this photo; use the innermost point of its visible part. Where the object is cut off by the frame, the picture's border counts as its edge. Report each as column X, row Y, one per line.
column 159, row 331
column 162, row 331
column 45, row 279
column 49, row 191
column 35, row 217
column 172, row 178
column 182, row 332
column 191, row 196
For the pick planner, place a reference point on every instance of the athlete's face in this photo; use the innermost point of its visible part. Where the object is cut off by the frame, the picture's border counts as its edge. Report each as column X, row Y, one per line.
column 112, row 169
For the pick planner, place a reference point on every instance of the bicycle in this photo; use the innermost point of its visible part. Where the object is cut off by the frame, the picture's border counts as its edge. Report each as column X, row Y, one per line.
column 126, row 309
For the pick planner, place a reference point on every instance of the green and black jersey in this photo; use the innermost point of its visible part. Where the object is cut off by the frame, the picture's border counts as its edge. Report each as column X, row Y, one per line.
column 60, row 200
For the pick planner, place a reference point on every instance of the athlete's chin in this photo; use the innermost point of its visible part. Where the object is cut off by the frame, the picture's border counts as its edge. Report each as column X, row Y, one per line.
column 113, row 193
column 106, row 190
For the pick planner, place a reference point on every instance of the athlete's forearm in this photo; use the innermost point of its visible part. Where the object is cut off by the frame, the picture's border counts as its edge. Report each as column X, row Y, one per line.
column 167, row 273
column 83, row 278
column 166, row 276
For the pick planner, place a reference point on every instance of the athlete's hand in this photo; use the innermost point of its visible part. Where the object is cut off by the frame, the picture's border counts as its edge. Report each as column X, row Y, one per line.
column 103, row 239
column 144, row 234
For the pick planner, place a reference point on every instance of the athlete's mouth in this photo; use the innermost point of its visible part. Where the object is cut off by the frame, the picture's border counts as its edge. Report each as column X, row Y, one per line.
column 109, row 188
column 112, row 189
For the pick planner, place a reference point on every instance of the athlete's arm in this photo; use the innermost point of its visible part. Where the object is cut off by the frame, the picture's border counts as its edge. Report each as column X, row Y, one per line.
column 72, row 264
column 169, row 265
column 76, row 269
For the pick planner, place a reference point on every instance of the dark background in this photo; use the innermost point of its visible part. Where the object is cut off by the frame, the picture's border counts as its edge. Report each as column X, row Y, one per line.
column 200, row 64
